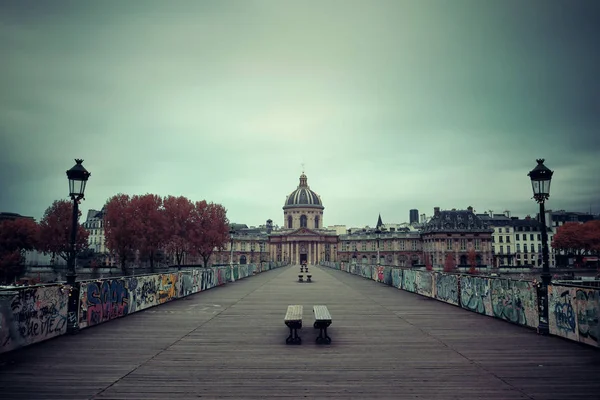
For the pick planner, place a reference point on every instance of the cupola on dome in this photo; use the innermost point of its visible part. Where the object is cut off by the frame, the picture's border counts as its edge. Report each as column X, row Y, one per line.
column 303, row 196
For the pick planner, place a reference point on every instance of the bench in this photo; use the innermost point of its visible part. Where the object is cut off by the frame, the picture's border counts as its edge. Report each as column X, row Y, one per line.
column 300, row 278
column 322, row 321
column 308, row 278
column 293, row 320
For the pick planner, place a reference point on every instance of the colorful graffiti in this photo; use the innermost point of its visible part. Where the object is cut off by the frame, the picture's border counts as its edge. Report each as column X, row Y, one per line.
column 101, row 301
column 514, row 301
column 588, row 309
column 409, row 280
column 424, row 283
column 446, row 288
column 573, row 312
column 475, row 294
column 32, row 315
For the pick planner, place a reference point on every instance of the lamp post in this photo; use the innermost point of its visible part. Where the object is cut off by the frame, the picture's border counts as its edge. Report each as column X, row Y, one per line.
column 231, row 233
column 541, row 177
column 334, row 253
column 78, row 177
column 251, row 252
column 377, row 235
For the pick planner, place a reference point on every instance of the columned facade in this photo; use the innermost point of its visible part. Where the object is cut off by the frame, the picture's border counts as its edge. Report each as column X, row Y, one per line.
column 303, row 239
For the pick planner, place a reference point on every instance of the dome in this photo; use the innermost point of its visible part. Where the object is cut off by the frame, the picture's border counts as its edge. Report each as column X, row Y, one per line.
column 455, row 220
column 303, row 196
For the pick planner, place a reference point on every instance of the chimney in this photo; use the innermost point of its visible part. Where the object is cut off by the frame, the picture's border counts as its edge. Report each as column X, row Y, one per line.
column 470, row 209
column 436, row 211
column 507, row 213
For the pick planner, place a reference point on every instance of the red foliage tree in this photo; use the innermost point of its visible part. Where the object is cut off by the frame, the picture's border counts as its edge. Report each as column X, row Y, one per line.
column 428, row 265
column 55, row 231
column 569, row 238
column 449, row 263
column 16, row 237
column 178, row 212
column 472, row 256
column 121, row 228
column 211, row 229
column 150, row 216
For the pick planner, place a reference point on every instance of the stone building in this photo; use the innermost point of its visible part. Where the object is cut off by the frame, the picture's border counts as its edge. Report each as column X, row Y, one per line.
column 456, row 232
column 303, row 238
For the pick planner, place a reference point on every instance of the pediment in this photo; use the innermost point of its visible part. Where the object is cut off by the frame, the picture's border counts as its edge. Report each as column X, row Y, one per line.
column 304, row 232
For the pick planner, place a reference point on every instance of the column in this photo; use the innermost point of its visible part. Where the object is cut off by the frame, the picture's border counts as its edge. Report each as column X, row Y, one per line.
column 297, row 253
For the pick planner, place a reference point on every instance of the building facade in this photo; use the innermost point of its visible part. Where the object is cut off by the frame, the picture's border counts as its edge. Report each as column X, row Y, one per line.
column 456, row 232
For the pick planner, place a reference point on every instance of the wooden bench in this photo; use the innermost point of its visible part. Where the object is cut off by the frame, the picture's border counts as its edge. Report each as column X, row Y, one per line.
column 308, row 277
column 300, row 278
column 293, row 320
column 322, row 321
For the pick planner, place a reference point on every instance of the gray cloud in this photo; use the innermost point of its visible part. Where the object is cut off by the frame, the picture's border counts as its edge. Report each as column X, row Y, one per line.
column 392, row 105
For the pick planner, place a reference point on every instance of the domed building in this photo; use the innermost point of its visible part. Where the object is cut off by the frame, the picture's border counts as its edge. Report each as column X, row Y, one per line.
column 303, row 208
column 303, row 239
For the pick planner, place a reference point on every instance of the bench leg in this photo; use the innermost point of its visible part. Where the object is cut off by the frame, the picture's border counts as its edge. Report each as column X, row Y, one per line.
column 294, row 338
column 323, row 337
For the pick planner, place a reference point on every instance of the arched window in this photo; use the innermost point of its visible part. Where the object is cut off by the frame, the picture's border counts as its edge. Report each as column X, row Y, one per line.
column 463, row 260
column 317, row 222
column 289, row 221
column 242, row 259
column 478, row 259
column 303, row 221
column 365, row 260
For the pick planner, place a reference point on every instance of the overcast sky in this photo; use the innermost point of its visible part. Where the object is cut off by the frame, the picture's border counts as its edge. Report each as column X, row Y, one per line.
column 391, row 105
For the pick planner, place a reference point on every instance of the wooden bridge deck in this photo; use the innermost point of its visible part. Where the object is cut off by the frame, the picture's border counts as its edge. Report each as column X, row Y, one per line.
column 229, row 342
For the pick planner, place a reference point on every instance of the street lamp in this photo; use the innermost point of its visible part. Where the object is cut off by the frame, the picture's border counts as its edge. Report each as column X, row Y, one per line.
column 251, row 252
column 231, row 233
column 541, row 177
column 78, row 177
column 377, row 234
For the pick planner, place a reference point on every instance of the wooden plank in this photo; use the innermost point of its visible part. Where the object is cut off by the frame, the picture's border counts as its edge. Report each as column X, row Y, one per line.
column 294, row 313
column 227, row 342
column 321, row 313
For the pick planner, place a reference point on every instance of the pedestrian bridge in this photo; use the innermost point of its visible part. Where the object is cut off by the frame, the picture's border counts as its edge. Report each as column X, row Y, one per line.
column 229, row 341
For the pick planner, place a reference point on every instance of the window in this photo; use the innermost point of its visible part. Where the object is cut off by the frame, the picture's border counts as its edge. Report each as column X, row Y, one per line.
column 414, row 244
column 532, row 248
column 531, row 236
column 501, row 249
column 524, row 248
column 448, row 244
column 477, row 244
column 501, row 239
column 316, row 222
column 303, row 221
column 518, row 248
column 463, row 244
column 500, row 230
column 539, row 236
column 364, row 246
column 518, row 236
column 289, row 221
column 508, row 239
column 507, row 249
column 401, row 244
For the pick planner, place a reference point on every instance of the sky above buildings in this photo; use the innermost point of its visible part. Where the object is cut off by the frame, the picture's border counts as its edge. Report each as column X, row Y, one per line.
column 390, row 105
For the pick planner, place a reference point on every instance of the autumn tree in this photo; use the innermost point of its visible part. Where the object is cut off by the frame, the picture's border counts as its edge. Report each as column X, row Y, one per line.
column 121, row 228
column 16, row 237
column 150, row 215
column 55, row 230
column 178, row 213
column 211, row 229
column 472, row 256
column 449, row 263
column 569, row 238
column 428, row 265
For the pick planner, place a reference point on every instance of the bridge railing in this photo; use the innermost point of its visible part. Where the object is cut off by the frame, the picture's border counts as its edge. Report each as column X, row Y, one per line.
column 36, row 313
column 573, row 310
